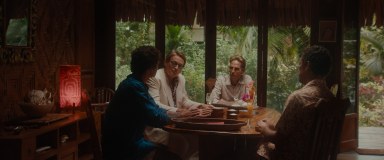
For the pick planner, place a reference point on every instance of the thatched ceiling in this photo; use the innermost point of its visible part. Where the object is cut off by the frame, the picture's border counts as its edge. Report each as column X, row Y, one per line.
column 369, row 9
column 229, row 12
column 236, row 12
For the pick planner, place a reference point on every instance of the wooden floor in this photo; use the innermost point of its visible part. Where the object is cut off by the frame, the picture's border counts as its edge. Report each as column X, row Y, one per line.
column 370, row 139
column 352, row 155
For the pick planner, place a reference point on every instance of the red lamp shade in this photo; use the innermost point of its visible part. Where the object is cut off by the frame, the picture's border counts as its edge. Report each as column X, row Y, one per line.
column 70, row 86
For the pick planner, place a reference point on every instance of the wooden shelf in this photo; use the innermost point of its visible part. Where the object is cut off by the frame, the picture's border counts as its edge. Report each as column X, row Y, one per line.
column 23, row 146
column 83, row 137
column 86, row 157
column 46, row 154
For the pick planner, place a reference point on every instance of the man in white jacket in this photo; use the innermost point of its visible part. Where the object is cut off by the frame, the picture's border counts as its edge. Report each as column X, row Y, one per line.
column 168, row 90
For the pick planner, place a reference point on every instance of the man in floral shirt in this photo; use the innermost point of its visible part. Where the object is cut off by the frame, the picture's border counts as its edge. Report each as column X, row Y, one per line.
column 290, row 138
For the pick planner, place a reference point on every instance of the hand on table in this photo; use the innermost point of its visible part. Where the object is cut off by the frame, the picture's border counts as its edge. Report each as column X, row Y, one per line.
column 181, row 112
column 265, row 127
column 206, row 107
column 205, row 110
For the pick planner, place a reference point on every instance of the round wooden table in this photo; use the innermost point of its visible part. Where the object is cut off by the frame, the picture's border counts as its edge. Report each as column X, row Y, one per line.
column 241, row 144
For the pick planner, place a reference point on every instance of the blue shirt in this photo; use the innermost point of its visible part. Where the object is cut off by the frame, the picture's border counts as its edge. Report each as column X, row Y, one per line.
column 129, row 112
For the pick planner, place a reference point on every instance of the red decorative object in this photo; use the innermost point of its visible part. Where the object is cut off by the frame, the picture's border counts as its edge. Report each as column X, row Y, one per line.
column 70, row 86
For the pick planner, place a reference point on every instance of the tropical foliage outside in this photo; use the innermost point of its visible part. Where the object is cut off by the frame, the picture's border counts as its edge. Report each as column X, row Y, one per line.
column 284, row 47
column 371, row 87
column 130, row 35
column 180, row 38
column 231, row 40
column 285, row 44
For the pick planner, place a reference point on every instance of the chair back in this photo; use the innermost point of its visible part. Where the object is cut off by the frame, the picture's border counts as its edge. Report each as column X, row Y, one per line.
column 210, row 84
column 95, row 138
column 103, row 95
column 327, row 130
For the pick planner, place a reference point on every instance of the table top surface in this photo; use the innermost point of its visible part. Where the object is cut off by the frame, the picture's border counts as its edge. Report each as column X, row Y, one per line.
column 247, row 130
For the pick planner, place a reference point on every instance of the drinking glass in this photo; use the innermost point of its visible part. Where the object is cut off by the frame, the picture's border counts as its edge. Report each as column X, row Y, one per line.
column 250, row 109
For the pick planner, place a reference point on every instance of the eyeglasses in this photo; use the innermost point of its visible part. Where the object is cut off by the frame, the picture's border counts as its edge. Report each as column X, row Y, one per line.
column 234, row 68
column 174, row 64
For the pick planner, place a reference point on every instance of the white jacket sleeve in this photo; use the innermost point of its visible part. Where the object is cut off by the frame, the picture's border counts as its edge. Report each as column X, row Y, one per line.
column 154, row 91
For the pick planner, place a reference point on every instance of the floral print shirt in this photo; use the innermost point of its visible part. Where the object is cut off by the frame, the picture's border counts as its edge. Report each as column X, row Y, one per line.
column 293, row 130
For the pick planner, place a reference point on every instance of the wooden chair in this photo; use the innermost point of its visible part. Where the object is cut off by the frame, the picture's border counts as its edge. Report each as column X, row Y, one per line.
column 103, row 94
column 328, row 125
column 210, row 84
column 95, row 139
column 101, row 98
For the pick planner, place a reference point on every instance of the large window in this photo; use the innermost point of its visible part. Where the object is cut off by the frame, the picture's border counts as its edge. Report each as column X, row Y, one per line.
column 285, row 44
column 130, row 35
column 284, row 47
column 236, row 41
column 189, row 40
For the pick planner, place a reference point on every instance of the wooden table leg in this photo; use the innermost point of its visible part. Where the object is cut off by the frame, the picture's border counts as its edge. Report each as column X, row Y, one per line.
column 213, row 147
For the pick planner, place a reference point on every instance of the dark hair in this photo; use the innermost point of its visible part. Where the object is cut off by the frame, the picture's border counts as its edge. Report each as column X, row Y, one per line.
column 319, row 58
column 240, row 59
column 144, row 58
column 176, row 53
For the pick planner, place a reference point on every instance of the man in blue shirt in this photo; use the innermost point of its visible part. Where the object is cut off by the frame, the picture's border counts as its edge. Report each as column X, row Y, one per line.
column 131, row 110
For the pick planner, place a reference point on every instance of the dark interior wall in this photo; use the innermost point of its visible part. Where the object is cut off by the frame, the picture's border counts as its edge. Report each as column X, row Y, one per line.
column 105, row 43
column 64, row 34
column 332, row 11
column 328, row 11
column 84, row 32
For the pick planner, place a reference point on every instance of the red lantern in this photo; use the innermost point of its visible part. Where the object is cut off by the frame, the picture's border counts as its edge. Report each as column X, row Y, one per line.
column 70, row 86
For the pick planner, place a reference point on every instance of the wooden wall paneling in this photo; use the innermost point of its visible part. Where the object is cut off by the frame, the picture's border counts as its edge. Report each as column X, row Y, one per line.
column 9, row 92
column 210, row 39
column 329, row 10
column 13, row 94
column 85, row 42
column 13, row 88
column 54, row 41
column 332, row 10
column 16, row 83
column 160, row 29
column 3, row 91
column 53, row 45
column 105, row 44
column 87, row 80
column 28, row 83
column 262, row 53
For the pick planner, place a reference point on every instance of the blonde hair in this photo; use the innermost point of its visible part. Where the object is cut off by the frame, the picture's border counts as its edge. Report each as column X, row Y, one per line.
column 240, row 59
column 176, row 53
